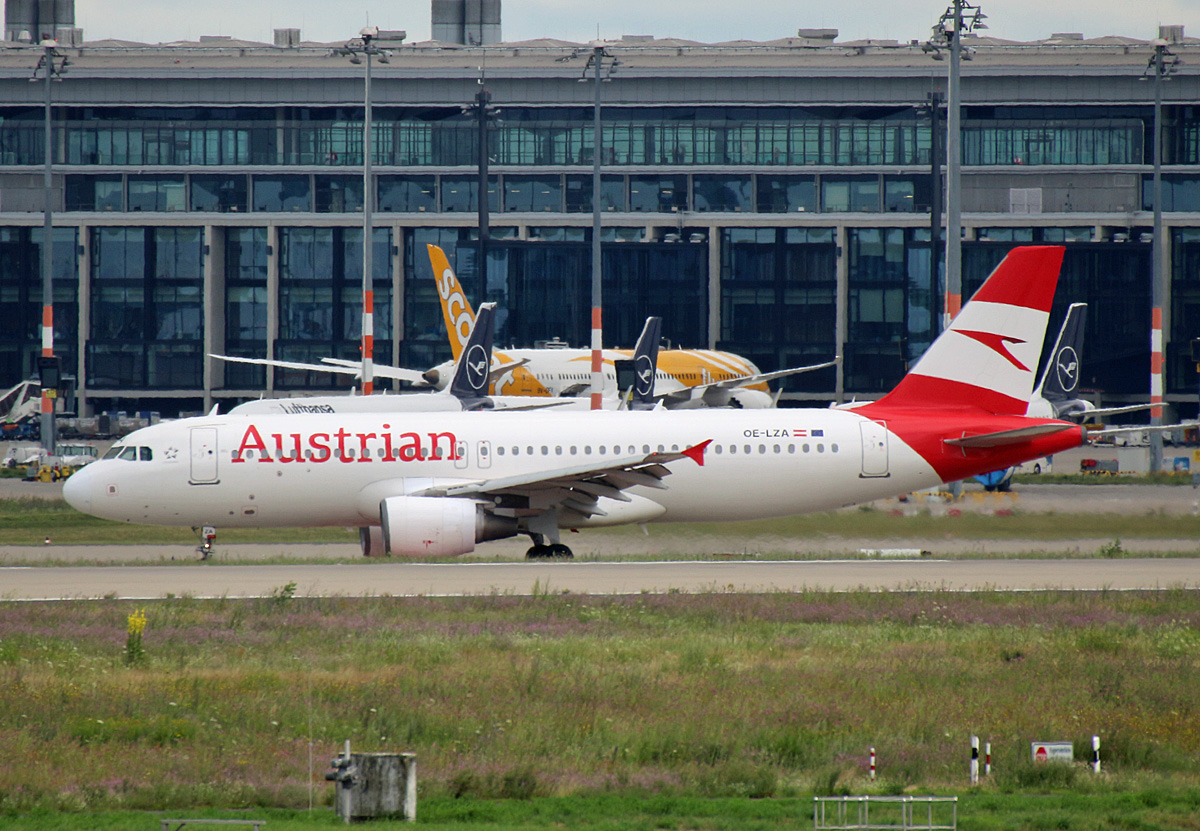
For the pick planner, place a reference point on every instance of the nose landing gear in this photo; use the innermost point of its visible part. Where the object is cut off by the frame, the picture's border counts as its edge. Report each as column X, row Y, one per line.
column 208, row 537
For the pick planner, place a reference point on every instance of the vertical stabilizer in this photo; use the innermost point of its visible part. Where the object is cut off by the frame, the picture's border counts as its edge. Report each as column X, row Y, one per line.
column 472, row 374
column 645, row 365
column 1060, row 379
column 988, row 356
column 456, row 310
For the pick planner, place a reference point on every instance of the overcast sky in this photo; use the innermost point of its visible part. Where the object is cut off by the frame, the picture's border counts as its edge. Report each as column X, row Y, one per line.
column 157, row 21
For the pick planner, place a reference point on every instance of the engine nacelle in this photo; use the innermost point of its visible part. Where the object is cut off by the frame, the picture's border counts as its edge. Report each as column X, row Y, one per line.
column 431, row 526
column 752, row 399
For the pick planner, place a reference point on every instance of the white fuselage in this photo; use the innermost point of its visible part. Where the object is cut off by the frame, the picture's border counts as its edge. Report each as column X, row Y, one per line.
column 240, row 471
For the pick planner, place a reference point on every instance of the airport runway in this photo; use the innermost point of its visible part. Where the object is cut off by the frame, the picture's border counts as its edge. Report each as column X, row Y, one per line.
column 454, row 579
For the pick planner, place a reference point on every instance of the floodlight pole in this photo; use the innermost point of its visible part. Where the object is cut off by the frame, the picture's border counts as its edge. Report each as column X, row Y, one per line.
column 953, row 300
column 49, row 390
column 598, row 55
column 368, row 292
column 1157, row 278
column 947, row 36
column 364, row 45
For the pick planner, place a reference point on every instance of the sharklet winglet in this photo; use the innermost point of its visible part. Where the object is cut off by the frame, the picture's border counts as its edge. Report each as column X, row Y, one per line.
column 696, row 452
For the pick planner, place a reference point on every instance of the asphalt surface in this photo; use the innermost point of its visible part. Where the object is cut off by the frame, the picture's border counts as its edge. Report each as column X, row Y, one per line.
column 450, row 579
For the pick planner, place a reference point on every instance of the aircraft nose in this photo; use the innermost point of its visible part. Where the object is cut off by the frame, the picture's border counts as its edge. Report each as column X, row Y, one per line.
column 77, row 490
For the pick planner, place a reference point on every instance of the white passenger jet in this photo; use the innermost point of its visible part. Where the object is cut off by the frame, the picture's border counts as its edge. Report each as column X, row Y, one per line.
column 468, row 390
column 685, row 378
column 436, row 484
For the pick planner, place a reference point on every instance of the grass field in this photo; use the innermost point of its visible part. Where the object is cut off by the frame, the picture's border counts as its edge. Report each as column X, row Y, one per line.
column 29, row 521
column 654, row 711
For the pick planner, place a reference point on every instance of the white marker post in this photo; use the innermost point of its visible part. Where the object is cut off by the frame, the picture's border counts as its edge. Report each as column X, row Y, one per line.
column 974, row 760
column 1095, row 754
column 872, row 764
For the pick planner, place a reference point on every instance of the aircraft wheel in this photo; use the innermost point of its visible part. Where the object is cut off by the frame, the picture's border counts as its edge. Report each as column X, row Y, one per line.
column 561, row 552
column 538, row 552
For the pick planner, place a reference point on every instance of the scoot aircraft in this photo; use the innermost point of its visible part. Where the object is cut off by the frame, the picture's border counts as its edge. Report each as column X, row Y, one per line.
column 685, row 379
column 437, row 484
column 468, row 390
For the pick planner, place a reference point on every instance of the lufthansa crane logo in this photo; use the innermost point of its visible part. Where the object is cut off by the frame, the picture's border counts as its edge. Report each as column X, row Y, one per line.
column 477, row 367
column 644, row 369
column 1067, row 367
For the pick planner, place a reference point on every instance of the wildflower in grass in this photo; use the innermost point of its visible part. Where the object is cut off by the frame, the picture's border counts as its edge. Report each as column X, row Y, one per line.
column 135, row 653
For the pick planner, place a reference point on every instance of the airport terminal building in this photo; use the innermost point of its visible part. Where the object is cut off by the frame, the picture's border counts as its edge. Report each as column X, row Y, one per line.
column 772, row 199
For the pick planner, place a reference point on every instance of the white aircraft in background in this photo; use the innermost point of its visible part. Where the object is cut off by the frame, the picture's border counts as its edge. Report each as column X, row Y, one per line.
column 685, row 378
column 1057, row 394
column 436, row 484
column 468, row 389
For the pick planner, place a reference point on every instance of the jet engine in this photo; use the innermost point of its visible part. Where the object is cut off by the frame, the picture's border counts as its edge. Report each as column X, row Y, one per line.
column 431, row 526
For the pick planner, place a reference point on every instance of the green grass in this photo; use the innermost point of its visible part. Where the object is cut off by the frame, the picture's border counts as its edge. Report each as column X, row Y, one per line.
column 1088, row 809
column 28, row 521
column 712, row 711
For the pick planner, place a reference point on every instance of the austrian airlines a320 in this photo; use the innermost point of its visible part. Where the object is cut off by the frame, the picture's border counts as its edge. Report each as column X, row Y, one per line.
column 438, row 484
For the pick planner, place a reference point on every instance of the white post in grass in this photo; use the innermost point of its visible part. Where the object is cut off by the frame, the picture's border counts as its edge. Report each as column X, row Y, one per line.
column 1095, row 754
column 974, row 760
column 872, row 764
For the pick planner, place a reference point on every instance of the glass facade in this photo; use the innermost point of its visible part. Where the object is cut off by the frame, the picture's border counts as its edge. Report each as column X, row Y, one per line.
column 562, row 136
column 680, row 172
column 892, row 306
column 1113, row 279
column 146, row 308
column 320, row 300
column 779, row 300
column 21, row 301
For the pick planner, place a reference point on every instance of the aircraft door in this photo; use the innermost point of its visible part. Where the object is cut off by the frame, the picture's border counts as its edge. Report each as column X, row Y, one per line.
column 874, row 449
column 483, row 453
column 204, row 456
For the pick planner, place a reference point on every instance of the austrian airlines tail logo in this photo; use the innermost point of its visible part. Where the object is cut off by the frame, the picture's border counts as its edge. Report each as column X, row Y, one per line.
column 998, row 344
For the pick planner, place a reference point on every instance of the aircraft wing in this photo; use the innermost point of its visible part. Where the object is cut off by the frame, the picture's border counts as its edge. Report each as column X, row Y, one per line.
column 1144, row 428
column 1099, row 412
column 699, row 390
column 577, row 488
column 336, row 365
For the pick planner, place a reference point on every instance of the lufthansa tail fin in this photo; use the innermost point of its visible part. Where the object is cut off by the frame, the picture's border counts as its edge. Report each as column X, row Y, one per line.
column 1060, row 379
column 472, row 371
column 645, row 365
column 456, row 310
column 988, row 356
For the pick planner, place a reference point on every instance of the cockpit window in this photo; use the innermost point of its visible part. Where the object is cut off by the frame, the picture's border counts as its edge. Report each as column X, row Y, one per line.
column 129, row 454
column 146, row 454
column 113, row 451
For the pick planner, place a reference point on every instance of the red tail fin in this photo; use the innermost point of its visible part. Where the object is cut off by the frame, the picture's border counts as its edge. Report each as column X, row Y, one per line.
column 988, row 356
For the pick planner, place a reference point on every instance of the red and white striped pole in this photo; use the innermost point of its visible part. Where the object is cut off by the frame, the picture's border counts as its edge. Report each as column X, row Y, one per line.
column 368, row 339
column 872, row 764
column 987, row 759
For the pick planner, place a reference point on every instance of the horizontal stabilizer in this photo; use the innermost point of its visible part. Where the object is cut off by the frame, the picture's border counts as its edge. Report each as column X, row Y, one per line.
column 1006, row 437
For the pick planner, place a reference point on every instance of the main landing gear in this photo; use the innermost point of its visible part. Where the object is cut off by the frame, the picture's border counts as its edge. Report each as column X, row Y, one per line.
column 541, row 551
